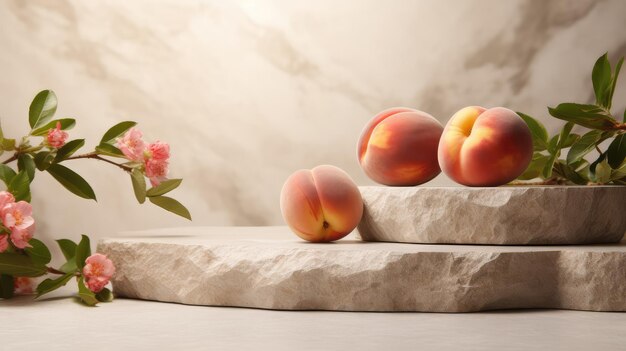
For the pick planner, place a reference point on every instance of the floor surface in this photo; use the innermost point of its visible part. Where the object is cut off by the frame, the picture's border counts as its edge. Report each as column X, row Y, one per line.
column 59, row 322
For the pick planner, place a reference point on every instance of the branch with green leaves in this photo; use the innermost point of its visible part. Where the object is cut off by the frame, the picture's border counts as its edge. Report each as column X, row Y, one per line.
column 609, row 167
column 21, row 256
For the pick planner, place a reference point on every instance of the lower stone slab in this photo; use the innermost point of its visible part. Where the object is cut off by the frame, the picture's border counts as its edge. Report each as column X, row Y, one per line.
column 269, row 267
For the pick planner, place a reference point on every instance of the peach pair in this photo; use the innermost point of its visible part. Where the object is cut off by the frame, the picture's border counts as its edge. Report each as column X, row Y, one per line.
column 478, row 147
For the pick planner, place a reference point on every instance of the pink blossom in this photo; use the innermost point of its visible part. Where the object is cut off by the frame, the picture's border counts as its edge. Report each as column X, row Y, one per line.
column 23, row 286
column 98, row 271
column 131, row 145
column 4, row 242
column 158, row 151
column 5, row 199
column 156, row 170
column 21, row 237
column 18, row 218
column 56, row 137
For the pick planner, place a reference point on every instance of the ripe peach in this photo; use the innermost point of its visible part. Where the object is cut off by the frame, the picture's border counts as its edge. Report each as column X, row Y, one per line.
column 322, row 204
column 481, row 147
column 399, row 147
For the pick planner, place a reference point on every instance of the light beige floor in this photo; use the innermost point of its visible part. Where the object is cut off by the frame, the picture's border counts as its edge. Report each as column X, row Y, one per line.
column 60, row 323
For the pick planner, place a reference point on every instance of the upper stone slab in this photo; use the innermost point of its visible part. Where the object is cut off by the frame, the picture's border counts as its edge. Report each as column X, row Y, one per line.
column 536, row 215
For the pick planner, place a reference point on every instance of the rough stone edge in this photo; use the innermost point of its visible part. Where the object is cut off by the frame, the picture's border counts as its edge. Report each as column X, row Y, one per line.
column 577, row 280
column 369, row 230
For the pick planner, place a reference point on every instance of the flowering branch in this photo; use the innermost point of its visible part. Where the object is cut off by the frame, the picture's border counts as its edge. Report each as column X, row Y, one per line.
column 23, row 257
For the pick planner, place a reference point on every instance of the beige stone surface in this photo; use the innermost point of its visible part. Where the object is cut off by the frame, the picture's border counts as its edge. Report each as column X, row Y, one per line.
column 537, row 215
column 268, row 267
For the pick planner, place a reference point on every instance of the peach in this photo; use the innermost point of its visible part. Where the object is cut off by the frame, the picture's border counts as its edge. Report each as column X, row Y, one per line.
column 399, row 147
column 481, row 147
column 322, row 204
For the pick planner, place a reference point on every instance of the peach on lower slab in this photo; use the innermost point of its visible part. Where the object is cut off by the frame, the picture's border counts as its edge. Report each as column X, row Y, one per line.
column 485, row 147
column 322, row 204
column 399, row 147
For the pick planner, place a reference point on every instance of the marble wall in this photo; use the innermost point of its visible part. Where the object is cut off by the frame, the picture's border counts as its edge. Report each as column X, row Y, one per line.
column 248, row 91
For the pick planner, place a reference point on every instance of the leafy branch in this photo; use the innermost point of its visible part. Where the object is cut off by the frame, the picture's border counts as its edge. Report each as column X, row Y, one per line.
column 609, row 167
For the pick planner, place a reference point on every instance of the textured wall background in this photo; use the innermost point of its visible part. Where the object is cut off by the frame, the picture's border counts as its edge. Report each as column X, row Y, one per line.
column 248, row 91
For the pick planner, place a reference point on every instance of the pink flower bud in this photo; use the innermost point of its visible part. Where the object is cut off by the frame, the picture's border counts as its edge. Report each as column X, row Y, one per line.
column 56, row 137
column 131, row 145
column 98, row 271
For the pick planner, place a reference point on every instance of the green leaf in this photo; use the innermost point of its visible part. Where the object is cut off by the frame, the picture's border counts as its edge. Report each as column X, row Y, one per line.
column 584, row 145
column 563, row 136
column 72, row 181
column 590, row 116
column 69, row 149
column 25, row 162
column 570, row 174
column 594, row 164
column 535, row 167
column 86, row 295
column 547, row 168
column 619, row 173
column 39, row 252
column 83, row 250
column 68, row 248
column 139, row 185
column 570, row 140
column 538, row 132
column 20, row 187
column 165, row 187
column 603, row 172
column 69, row 266
column 109, row 150
column 116, row 131
column 44, row 159
column 553, row 144
column 8, row 144
column 613, row 83
column 105, row 295
column 66, row 123
column 42, row 108
column 7, row 286
column 6, row 174
column 50, row 285
column 171, row 205
column 601, row 78
column 580, row 164
column 20, row 265
column 616, row 153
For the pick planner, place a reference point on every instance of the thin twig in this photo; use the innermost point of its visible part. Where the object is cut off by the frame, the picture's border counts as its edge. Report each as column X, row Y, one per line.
column 95, row 156
column 11, row 159
column 55, row 271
